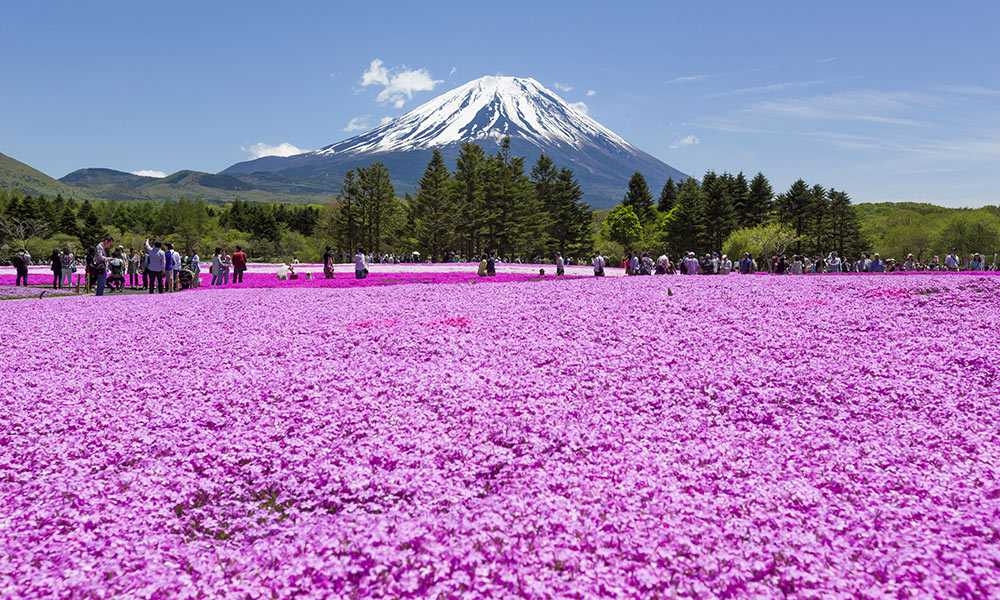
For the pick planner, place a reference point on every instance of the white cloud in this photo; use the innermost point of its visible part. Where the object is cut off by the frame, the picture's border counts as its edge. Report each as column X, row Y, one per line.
column 771, row 87
column 358, row 124
column 829, row 59
column 398, row 85
column 150, row 173
column 688, row 140
column 688, row 78
column 452, row 71
column 870, row 106
column 580, row 106
column 591, row 92
column 385, row 121
column 260, row 149
column 563, row 87
column 970, row 90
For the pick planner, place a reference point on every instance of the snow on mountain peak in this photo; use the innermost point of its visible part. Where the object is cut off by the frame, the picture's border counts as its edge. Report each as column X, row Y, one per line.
column 490, row 107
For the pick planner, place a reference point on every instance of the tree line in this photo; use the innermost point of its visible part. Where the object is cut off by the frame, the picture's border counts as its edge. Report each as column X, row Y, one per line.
column 493, row 203
column 727, row 213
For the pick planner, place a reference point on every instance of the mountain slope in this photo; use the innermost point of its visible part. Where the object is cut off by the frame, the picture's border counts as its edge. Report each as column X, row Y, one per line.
column 109, row 184
column 484, row 111
column 15, row 175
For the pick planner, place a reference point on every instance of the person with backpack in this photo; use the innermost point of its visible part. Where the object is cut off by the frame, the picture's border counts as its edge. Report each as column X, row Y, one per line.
column 20, row 261
column 156, row 261
column 560, row 265
column 599, row 263
column 239, row 260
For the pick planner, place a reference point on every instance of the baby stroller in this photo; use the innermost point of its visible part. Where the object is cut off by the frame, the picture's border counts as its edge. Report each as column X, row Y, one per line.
column 186, row 277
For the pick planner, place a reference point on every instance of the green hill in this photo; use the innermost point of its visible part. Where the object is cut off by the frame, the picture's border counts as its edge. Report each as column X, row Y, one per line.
column 15, row 175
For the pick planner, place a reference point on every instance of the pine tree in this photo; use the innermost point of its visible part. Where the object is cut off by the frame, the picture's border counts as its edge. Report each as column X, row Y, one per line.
column 684, row 230
column 470, row 183
column 739, row 190
column 571, row 219
column 433, row 210
column 759, row 202
column 668, row 196
column 67, row 222
column 793, row 209
column 818, row 226
column 639, row 198
column 375, row 204
column 845, row 231
column 92, row 230
column 718, row 218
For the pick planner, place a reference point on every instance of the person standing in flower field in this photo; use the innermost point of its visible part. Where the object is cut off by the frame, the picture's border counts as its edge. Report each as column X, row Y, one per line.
column 195, row 262
column 328, row 263
column 55, row 263
column 101, row 263
column 560, row 265
column 599, row 263
column 156, row 262
column 951, row 261
column 239, row 259
column 134, row 264
column 360, row 264
column 68, row 267
column 21, row 260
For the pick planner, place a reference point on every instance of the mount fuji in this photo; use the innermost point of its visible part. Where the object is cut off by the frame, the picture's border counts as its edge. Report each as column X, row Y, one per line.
column 484, row 111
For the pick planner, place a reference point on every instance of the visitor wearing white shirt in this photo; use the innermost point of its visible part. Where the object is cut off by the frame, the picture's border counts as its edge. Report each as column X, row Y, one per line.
column 360, row 265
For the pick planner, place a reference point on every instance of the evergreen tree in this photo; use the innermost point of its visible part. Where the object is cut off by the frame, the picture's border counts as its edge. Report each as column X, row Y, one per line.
column 668, row 196
column 793, row 209
column 818, row 225
column 639, row 198
column 684, row 230
column 570, row 222
column 470, row 184
column 759, row 202
column 717, row 215
column 845, row 231
column 739, row 190
column 67, row 222
column 433, row 211
column 375, row 203
column 92, row 230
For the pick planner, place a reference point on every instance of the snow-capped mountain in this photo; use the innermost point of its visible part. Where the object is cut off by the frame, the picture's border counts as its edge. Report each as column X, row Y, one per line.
column 484, row 111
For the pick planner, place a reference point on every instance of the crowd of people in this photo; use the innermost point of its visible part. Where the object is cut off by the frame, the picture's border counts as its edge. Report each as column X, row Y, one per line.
column 720, row 264
column 159, row 267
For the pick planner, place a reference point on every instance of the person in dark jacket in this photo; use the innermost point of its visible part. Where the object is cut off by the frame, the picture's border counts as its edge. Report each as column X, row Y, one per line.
column 56, row 266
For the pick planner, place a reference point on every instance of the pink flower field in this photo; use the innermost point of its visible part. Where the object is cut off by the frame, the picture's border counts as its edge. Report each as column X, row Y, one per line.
column 732, row 436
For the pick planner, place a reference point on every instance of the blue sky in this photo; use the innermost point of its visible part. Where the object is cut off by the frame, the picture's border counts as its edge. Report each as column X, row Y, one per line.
column 888, row 100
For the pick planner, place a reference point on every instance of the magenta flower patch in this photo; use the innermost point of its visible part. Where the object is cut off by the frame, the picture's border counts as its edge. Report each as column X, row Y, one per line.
column 740, row 436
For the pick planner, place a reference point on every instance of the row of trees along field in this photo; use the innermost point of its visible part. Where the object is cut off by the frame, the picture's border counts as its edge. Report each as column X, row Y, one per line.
column 491, row 202
column 727, row 213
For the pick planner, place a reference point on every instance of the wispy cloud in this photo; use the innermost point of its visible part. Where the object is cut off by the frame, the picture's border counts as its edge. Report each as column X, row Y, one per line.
column 362, row 123
column 829, row 59
column 150, row 173
column 580, row 106
column 688, row 140
column 260, row 149
column 969, row 90
column 385, row 121
column 871, row 106
column 689, row 78
column 452, row 71
column 761, row 89
column 591, row 93
column 398, row 85
column 563, row 87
